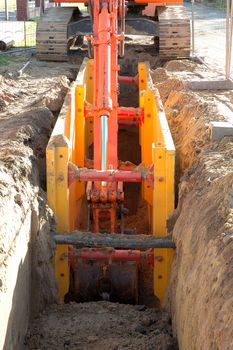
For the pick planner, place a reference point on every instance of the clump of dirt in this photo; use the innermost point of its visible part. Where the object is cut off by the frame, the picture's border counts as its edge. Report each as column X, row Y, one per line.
column 168, row 86
column 139, row 219
column 53, row 98
column 9, row 92
column 100, row 325
column 159, row 75
column 188, row 116
column 179, row 66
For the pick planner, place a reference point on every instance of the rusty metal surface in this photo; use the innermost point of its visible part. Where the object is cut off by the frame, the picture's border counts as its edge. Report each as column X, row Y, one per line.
column 117, row 282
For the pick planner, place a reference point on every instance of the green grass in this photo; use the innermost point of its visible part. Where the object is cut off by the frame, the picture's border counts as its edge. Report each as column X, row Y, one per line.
column 5, row 60
column 220, row 4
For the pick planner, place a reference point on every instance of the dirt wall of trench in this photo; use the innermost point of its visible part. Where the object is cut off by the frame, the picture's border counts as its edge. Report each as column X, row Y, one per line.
column 200, row 297
column 27, row 281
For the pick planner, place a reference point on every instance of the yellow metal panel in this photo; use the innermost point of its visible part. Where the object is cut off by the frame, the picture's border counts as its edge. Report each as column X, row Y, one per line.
column 79, row 126
column 159, row 200
column 58, row 200
column 67, row 143
column 162, row 271
column 77, row 189
column 142, row 77
column 142, row 86
column 148, row 134
column 89, row 79
column 163, row 206
column 141, row 104
column 170, row 181
column 155, row 131
column 62, row 271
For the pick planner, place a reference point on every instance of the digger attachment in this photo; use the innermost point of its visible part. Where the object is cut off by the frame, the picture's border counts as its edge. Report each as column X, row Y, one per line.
column 93, row 262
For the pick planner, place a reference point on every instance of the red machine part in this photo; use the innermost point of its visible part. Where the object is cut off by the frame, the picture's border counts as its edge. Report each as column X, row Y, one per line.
column 110, row 176
column 105, row 40
column 123, row 113
column 111, row 255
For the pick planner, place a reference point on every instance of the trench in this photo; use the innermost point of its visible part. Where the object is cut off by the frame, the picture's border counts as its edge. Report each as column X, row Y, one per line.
column 45, row 293
column 201, row 275
column 145, row 324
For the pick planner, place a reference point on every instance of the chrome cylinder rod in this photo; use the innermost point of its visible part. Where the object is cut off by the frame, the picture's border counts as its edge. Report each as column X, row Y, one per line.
column 104, row 142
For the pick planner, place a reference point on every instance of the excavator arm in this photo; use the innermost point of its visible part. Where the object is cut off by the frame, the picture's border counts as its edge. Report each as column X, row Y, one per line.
column 100, row 261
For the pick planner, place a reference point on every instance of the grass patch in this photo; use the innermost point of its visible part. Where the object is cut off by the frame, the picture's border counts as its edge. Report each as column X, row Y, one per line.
column 5, row 59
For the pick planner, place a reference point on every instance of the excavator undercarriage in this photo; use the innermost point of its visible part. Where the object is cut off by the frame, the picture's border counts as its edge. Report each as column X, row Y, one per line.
column 62, row 30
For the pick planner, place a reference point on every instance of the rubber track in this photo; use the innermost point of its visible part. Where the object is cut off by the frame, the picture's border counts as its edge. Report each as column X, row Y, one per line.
column 174, row 32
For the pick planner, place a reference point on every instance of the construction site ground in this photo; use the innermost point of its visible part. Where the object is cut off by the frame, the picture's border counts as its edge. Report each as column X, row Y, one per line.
column 197, row 313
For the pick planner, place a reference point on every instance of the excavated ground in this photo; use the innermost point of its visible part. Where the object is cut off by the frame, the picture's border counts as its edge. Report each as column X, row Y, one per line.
column 199, row 301
column 29, row 105
column 102, row 326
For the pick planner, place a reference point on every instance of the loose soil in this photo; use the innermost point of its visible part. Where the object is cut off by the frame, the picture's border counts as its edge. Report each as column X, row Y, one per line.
column 200, row 298
column 29, row 105
column 199, row 301
column 101, row 326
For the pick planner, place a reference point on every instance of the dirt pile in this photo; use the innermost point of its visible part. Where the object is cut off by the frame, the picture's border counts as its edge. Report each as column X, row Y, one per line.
column 30, row 93
column 24, row 222
column 202, row 273
column 168, row 85
column 27, row 281
column 179, row 66
column 188, row 116
column 200, row 294
column 100, row 326
column 8, row 92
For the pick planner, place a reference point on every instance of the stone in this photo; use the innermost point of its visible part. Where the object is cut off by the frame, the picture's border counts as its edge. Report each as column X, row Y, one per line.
column 220, row 130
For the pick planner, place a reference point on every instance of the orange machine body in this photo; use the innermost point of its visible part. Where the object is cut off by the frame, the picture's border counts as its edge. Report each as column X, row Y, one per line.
column 159, row 2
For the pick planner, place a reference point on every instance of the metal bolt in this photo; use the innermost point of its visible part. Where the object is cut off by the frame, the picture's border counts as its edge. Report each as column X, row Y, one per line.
column 159, row 258
column 60, row 178
column 63, row 256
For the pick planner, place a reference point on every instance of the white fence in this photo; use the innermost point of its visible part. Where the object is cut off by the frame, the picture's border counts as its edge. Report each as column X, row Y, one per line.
column 210, row 34
column 23, row 33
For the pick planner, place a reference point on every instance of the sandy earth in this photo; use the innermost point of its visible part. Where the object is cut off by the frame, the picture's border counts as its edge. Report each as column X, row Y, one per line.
column 200, row 296
column 28, row 106
column 101, row 326
column 199, row 299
